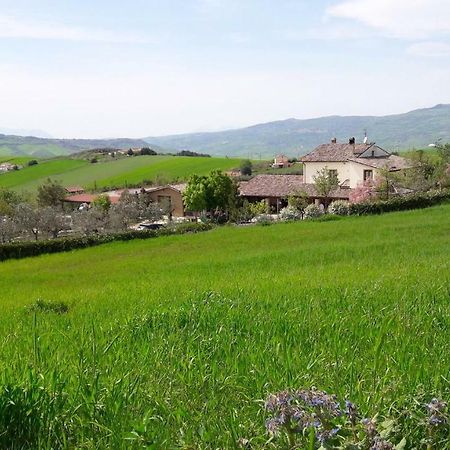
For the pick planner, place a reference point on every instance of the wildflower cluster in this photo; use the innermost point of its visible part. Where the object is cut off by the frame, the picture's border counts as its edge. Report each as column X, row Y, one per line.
column 298, row 412
column 306, row 415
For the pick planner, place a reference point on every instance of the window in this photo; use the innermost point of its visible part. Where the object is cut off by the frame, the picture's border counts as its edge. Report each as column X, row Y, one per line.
column 332, row 173
column 368, row 175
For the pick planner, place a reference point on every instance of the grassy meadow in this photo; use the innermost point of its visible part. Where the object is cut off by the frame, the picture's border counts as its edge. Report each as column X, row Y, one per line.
column 174, row 342
column 119, row 172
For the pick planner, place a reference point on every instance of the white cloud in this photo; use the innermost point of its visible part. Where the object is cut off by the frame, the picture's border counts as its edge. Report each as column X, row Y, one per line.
column 431, row 49
column 398, row 18
column 10, row 27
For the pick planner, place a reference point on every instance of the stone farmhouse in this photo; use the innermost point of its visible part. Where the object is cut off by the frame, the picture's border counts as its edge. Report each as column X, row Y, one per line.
column 353, row 163
column 170, row 195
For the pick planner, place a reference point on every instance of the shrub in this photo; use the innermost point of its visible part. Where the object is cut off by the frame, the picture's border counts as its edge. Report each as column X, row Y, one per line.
column 312, row 211
column 33, row 248
column 32, row 162
column 290, row 213
column 339, row 208
column 400, row 203
column 264, row 219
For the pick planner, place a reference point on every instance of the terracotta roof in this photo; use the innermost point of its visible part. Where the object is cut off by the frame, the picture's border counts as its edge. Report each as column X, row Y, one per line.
column 348, row 152
column 81, row 198
column 89, row 198
column 271, row 185
column 393, row 162
column 281, row 186
column 74, row 189
column 335, row 152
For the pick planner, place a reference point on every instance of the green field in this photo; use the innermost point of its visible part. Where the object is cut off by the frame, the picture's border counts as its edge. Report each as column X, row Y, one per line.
column 115, row 173
column 174, row 342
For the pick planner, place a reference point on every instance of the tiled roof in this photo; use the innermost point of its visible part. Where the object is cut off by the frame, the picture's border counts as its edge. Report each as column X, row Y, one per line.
column 74, row 189
column 393, row 162
column 335, row 152
column 281, row 186
column 81, row 198
column 271, row 185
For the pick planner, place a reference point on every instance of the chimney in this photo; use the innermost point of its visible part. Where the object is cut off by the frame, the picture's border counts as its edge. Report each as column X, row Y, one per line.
column 351, row 141
column 333, row 141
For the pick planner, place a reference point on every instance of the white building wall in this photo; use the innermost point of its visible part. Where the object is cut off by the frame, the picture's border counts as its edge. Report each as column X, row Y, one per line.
column 350, row 170
column 310, row 170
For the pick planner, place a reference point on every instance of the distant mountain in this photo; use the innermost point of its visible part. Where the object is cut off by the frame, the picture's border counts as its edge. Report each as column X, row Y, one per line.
column 294, row 137
column 415, row 129
column 24, row 132
column 47, row 148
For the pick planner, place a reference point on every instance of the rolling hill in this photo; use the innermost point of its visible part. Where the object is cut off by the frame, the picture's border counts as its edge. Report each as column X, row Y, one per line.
column 114, row 173
column 292, row 136
column 48, row 148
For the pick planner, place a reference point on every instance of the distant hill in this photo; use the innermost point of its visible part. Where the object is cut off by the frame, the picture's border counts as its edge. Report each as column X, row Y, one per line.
column 415, row 129
column 47, row 148
column 292, row 136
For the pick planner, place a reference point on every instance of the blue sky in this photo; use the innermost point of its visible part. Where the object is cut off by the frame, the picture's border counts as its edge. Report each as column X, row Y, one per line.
column 146, row 67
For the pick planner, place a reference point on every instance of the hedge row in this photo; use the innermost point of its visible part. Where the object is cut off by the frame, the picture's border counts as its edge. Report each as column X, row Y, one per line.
column 34, row 248
column 403, row 203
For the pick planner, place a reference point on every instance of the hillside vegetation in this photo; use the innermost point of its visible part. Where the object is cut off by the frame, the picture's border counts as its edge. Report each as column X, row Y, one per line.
column 174, row 342
column 296, row 137
column 114, row 173
column 48, row 148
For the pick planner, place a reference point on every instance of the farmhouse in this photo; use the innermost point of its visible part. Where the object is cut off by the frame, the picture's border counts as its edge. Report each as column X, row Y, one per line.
column 170, row 196
column 280, row 161
column 274, row 189
column 8, row 167
column 353, row 163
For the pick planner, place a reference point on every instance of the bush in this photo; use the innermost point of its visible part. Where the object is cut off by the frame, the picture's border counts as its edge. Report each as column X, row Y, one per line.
column 401, row 203
column 290, row 213
column 339, row 208
column 32, row 162
column 312, row 211
column 264, row 219
column 34, row 248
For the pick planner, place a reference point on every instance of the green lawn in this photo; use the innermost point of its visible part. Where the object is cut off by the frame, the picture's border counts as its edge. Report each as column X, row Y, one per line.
column 178, row 339
column 114, row 173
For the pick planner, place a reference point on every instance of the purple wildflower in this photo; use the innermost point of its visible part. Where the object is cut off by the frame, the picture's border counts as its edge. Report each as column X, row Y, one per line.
column 381, row 444
column 324, row 435
column 436, row 412
column 351, row 411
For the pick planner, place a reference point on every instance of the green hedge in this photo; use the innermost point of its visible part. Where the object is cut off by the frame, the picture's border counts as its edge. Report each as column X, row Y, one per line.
column 34, row 248
column 402, row 203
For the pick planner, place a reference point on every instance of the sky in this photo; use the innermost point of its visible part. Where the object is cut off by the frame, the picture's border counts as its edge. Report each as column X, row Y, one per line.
column 136, row 68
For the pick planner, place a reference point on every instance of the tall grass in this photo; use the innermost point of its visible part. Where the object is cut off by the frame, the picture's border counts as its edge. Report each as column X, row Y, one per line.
column 173, row 343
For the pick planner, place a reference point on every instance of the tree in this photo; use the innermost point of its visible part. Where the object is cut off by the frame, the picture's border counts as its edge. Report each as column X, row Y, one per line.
column 246, row 167
column 90, row 221
column 27, row 219
column 194, row 196
column 52, row 221
column 130, row 152
column 148, row 151
column 32, row 162
column 50, row 193
column 102, row 202
column 215, row 192
column 8, row 229
column 299, row 201
column 325, row 182
column 8, row 201
column 385, row 183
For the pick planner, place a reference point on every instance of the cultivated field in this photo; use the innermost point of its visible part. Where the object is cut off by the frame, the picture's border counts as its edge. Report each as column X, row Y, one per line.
column 114, row 173
column 174, row 342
